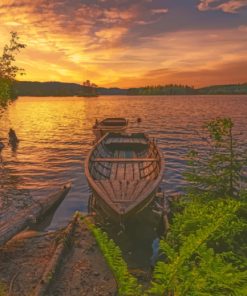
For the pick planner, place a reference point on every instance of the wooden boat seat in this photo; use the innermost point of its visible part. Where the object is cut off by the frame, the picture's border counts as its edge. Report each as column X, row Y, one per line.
column 125, row 160
column 123, row 140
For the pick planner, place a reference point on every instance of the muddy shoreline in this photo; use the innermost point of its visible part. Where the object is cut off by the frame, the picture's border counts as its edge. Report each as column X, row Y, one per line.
column 82, row 270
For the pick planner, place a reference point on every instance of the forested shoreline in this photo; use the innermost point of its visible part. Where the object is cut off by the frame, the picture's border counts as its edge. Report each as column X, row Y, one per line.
column 57, row 89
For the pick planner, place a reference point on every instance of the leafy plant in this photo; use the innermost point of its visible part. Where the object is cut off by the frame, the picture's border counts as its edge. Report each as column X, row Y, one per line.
column 127, row 284
column 191, row 267
column 5, row 90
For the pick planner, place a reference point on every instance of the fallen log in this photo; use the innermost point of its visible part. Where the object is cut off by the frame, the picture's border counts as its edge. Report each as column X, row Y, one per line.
column 31, row 215
column 51, row 269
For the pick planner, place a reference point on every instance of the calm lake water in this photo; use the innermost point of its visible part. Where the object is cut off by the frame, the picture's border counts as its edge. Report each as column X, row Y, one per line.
column 56, row 136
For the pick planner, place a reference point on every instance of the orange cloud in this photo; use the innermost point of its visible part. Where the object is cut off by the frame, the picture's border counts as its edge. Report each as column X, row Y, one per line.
column 205, row 52
column 111, row 35
column 230, row 6
column 197, row 78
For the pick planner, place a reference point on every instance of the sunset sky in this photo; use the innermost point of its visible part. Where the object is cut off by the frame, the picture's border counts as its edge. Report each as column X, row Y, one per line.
column 129, row 43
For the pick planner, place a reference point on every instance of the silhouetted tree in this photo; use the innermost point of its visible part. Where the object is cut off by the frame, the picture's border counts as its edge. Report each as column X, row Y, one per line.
column 90, row 88
column 8, row 69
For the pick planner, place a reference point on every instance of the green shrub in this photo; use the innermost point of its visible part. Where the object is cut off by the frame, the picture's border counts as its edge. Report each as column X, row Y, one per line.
column 191, row 266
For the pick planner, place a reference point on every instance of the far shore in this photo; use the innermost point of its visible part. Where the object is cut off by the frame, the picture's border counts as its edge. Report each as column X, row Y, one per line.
column 61, row 89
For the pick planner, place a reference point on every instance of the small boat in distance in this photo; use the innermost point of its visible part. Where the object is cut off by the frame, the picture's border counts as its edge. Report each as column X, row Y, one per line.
column 116, row 125
column 124, row 172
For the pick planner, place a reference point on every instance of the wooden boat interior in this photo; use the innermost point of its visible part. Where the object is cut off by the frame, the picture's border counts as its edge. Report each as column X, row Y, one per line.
column 124, row 166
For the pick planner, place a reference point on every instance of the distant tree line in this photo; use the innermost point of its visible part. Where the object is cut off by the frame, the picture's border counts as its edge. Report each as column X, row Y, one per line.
column 175, row 89
column 88, row 89
column 62, row 89
column 224, row 89
column 55, row 89
column 170, row 89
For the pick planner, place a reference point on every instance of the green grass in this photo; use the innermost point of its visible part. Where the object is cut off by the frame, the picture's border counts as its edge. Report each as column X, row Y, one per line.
column 3, row 289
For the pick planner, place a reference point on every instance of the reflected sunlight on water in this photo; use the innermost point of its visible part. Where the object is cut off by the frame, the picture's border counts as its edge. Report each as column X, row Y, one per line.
column 56, row 136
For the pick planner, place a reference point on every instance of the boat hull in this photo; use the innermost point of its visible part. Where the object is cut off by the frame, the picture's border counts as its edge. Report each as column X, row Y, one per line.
column 122, row 218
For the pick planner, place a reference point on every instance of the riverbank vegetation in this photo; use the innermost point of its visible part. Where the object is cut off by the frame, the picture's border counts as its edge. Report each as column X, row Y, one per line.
column 8, row 69
column 204, row 250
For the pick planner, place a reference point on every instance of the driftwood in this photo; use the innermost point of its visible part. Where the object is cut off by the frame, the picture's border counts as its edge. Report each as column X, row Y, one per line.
column 31, row 214
column 48, row 276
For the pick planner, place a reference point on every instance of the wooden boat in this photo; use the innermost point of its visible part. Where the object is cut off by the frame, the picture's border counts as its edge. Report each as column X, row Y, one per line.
column 117, row 125
column 124, row 172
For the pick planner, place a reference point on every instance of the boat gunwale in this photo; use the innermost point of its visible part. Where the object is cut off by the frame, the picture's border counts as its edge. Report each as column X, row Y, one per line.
column 91, row 180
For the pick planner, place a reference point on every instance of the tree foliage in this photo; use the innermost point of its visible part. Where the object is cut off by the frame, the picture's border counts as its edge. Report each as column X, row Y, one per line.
column 90, row 88
column 219, row 173
column 8, row 69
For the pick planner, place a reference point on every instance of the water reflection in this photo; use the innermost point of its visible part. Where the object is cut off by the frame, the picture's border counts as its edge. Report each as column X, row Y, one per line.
column 135, row 237
column 55, row 137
